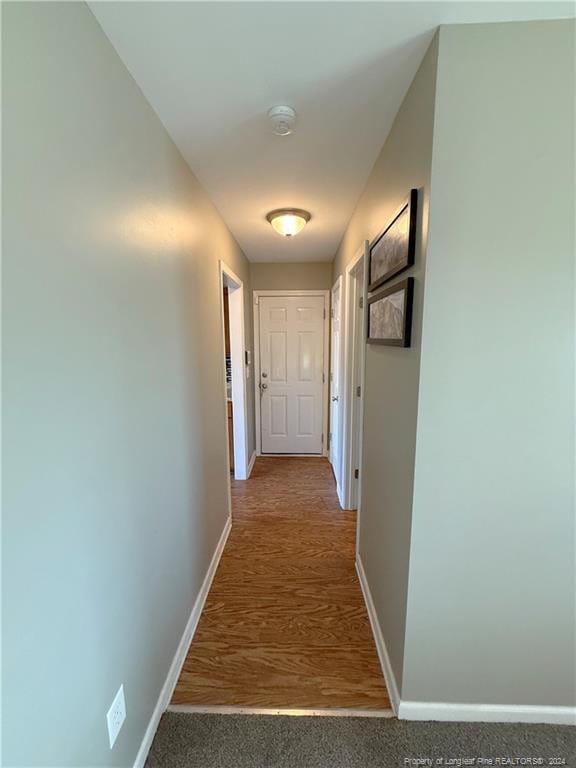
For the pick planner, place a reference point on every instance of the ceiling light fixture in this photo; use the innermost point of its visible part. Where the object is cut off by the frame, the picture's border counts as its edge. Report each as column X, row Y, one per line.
column 288, row 221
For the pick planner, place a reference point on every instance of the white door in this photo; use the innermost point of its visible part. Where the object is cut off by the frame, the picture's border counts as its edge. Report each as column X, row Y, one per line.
column 335, row 382
column 357, row 381
column 291, row 367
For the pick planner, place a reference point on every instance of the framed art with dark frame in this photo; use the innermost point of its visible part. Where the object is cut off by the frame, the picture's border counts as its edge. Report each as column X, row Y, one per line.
column 390, row 315
column 394, row 249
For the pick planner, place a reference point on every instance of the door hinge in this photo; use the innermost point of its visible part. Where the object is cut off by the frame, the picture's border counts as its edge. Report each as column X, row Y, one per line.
column 324, row 314
column 323, row 378
column 329, row 439
column 361, row 302
column 358, row 391
column 356, row 474
column 332, row 314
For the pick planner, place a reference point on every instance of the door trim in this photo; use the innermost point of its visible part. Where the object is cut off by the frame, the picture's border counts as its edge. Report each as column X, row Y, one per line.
column 339, row 374
column 325, row 362
column 237, row 358
column 352, row 428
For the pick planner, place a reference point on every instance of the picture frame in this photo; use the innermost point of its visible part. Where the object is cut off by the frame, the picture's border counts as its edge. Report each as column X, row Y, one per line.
column 389, row 311
column 394, row 249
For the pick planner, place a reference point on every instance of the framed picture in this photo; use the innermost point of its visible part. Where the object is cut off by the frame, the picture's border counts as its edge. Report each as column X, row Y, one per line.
column 390, row 315
column 393, row 251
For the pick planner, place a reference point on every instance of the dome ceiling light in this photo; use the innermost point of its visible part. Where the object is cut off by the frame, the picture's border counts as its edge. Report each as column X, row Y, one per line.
column 288, row 221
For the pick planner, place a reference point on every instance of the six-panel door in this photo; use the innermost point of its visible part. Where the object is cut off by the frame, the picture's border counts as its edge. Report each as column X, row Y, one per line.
column 291, row 367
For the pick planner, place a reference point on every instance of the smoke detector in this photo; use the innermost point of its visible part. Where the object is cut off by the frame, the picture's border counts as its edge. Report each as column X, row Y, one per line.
column 283, row 120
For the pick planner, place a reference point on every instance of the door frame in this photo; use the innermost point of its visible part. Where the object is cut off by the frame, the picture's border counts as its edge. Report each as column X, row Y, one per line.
column 338, row 285
column 238, row 362
column 352, row 426
column 325, row 363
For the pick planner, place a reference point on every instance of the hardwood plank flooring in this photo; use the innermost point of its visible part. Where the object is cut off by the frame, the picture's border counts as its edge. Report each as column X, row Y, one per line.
column 284, row 624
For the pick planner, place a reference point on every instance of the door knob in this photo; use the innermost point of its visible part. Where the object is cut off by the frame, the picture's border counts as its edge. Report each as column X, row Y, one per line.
column 264, row 386
column 264, row 374
column 335, row 399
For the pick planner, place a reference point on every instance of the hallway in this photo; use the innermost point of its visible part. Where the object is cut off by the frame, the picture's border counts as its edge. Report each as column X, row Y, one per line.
column 285, row 625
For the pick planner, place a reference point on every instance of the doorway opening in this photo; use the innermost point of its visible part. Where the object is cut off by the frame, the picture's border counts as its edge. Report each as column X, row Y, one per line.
column 291, row 372
column 236, row 370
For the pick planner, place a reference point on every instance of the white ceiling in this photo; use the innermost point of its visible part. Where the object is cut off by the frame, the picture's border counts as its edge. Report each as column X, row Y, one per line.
column 211, row 70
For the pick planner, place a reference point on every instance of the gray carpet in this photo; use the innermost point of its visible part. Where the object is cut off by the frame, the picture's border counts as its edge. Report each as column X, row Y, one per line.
column 264, row 741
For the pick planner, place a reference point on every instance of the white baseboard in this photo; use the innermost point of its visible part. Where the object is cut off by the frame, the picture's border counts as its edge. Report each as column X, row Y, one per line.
column 181, row 651
column 251, row 465
column 378, row 638
column 340, row 496
column 486, row 713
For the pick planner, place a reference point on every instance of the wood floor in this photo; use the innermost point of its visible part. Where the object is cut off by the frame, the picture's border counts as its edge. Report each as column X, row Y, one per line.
column 284, row 624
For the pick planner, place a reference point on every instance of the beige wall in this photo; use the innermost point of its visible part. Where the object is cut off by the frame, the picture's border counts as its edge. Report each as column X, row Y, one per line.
column 491, row 598
column 391, row 376
column 115, row 468
column 291, row 276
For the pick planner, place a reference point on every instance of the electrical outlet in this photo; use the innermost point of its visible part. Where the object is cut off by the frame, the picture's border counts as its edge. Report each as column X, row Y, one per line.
column 116, row 716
